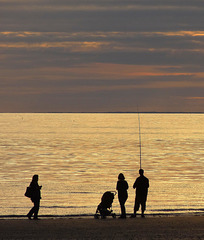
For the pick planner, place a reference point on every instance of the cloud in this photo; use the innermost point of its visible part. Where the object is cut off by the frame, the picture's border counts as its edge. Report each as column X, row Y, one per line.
column 101, row 54
column 104, row 15
column 195, row 98
column 113, row 47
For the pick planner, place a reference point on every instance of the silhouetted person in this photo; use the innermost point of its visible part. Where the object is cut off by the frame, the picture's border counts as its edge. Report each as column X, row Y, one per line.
column 36, row 196
column 122, row 187
column 141, row 184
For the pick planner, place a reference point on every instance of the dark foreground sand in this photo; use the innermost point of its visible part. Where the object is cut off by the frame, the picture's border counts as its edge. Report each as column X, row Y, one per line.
column 188, row 227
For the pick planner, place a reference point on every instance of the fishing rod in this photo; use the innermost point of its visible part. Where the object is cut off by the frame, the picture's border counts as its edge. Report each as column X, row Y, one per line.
column 140, row 144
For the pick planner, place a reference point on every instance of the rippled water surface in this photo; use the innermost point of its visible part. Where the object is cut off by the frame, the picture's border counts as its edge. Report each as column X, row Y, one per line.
column 79, row 156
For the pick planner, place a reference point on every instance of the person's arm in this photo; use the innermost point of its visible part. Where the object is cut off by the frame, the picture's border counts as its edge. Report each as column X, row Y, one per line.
column 117, row 186
column 134, row 185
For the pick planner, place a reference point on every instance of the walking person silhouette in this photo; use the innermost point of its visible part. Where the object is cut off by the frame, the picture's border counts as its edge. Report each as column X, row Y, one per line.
column 122, row 187
column 141, row 184
column 35, row 198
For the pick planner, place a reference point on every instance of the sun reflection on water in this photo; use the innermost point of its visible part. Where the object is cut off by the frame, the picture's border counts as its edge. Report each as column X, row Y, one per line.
column 79, row 156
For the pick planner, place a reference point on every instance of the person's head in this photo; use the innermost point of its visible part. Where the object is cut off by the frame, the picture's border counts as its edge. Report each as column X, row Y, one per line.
column 121, row 177
column 141, row 172
column 35, row 178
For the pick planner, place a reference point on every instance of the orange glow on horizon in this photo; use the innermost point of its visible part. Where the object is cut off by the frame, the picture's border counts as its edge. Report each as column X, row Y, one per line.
column 109, row 71
column 195, row 98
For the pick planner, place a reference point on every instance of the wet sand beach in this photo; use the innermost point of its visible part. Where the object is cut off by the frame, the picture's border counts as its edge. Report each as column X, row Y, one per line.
column 177, row 227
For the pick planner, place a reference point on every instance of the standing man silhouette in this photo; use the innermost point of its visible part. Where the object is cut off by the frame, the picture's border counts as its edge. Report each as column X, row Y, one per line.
column 141, row 184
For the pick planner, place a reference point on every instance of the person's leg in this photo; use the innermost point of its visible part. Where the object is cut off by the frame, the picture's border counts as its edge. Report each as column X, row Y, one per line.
column 143, row 207
column 36, row 209
column 29, row 215
column 136, row 208
column 123, row 211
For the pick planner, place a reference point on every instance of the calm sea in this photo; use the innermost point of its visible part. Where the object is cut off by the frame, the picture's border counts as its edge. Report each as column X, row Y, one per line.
column 79, row 156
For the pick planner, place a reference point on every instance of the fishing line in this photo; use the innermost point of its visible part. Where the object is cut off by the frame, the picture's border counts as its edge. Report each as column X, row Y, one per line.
column 140, row 144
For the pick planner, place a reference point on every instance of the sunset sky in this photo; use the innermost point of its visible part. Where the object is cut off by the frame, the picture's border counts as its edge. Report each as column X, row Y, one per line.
column 99, row 55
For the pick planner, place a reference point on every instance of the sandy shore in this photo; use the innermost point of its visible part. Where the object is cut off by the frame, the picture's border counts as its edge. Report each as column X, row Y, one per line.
column 188, row 227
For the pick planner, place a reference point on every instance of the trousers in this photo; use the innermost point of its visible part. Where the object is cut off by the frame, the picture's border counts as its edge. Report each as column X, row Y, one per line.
column 34, row 210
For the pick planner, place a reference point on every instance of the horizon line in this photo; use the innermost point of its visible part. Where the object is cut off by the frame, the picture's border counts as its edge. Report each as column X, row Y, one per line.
column 120, row 112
